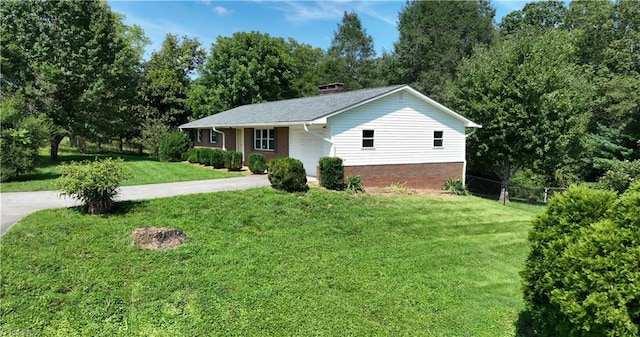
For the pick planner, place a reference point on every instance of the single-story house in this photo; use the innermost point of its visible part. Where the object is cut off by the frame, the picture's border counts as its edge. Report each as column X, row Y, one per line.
column 387, row 135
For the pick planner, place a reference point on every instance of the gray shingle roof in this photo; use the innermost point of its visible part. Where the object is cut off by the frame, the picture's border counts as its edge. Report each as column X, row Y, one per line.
column 297, row 110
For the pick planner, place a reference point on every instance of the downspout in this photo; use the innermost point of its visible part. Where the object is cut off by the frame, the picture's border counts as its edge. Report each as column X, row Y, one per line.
column 224, row 138
column 332, row 151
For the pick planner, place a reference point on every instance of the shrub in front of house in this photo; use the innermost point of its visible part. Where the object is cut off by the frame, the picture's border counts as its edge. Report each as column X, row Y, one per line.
column 584, row 254
column 94, row 183
column 172, row 145
column 354, row 184
column 455, row 186
column 331, row 173
column 204, row 156
column 188, row 155
column 216, row 158
column 257, row 163
column 287, row 174
column 233, row 160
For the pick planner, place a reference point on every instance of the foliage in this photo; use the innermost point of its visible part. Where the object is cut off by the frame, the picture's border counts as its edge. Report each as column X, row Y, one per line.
column 94, row 183
column 621, row 176
column 354, row 184
column 434, row 38
column 257, row 163
column 287, row 174
column 216, row 159
column 73, row 62
column 21, row 135
column 233, row 160
column 189, row 155
column 172, row 145
column 584, row 253
column 167, row 79
column 532, row 102
column 455, row 186
column 534, row 18
column 351, row 56
column 331, row 173
column 387, row 256
column 246, row 68
column 152, row 132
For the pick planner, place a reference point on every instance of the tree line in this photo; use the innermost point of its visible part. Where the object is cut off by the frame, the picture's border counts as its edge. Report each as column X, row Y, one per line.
column 554, row 85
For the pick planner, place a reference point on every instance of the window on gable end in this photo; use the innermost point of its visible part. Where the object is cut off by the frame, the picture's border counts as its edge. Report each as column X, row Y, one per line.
column 438, row 139
column 367, row 139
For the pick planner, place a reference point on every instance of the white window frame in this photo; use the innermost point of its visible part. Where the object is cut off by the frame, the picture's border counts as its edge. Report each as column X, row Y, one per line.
column 438, row 139
column 367, row 138
column 199, row 135
column 213, row 140
column 264, row 142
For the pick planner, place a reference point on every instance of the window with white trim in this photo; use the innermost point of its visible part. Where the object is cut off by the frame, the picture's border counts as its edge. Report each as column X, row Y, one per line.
column 199, row 135
column 264, row 139
column 367, row 139
column 213, row 137
column 438, row 139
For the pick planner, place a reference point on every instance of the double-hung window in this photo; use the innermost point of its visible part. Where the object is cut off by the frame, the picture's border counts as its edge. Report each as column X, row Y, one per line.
column 264, row 139
column 367, row 139
column 199, row 135
column 213, row 137
column 438, row 139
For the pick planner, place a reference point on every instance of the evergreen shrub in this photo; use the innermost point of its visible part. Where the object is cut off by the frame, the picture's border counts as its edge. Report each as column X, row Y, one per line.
column 331, row 173
column 233, row 160
column 287, row 174
column 257, row 163
column 172, row 145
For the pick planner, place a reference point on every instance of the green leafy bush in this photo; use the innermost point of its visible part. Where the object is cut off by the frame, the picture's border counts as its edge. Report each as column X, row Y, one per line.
column 257, row 163
column 21, row 135
column 354, row 184
column 455, row 186
column 620, row 176
column 204, row 156
column 287, row 174
column 216, row 158
column 172, row 145
column 578, row 279
column 94, row 183
column 331, row 173
column 233, row 160
column 189, row 155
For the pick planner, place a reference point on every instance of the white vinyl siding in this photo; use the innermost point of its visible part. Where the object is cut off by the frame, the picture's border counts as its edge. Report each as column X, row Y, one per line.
column 404, row 133
column 308, row 148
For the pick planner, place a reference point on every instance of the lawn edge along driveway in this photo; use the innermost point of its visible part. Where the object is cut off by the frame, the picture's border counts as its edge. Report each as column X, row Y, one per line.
column 16, row 205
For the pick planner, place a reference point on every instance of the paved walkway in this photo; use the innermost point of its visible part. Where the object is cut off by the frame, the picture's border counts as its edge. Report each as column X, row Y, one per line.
column 16, row 205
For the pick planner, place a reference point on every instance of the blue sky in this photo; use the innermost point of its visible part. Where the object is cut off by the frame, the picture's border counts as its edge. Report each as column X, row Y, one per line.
column 311, row 22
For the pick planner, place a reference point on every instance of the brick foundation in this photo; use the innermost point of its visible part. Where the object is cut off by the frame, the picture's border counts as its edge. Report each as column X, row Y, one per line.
column 428, row 176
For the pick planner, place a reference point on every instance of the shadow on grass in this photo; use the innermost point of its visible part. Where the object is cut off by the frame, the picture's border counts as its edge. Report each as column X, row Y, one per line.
column 119, row 208
column 36, row 176
column 524, row 325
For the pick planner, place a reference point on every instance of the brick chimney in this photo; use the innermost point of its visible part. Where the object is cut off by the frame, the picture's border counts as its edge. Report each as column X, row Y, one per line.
column 330, row 88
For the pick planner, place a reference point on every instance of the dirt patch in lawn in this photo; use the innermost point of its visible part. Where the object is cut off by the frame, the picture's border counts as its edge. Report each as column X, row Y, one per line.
column 401, row 190
column 157, row 238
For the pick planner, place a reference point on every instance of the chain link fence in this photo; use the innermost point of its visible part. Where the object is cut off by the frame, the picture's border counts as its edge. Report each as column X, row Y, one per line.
column 490, row 188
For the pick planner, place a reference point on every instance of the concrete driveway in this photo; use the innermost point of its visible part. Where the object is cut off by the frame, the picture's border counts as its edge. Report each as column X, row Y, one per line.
column 16, row 205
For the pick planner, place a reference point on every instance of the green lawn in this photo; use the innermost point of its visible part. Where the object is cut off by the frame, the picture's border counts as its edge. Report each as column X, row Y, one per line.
column 264, row 263
column 146, row 170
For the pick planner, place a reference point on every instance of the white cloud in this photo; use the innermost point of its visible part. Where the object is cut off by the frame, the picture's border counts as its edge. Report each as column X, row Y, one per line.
column 221, row 10
column 302, row 11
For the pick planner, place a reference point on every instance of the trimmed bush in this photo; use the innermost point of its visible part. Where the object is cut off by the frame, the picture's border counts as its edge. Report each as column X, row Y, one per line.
column 287, row 174
column 620, row 176
column 354, row 184
column 189, row 155
column 455, row 186
column 216, row 158
column 331, row 173
column 94, row 183
column 257, row 163
column 233, row 160
column 579, row 275
column 172, row 145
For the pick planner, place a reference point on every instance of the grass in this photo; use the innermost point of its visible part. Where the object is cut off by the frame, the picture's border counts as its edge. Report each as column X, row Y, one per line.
column 146, row 170
column 265, row 263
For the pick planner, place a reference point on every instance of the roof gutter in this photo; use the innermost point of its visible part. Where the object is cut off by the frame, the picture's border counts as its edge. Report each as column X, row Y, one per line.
column 470, row 133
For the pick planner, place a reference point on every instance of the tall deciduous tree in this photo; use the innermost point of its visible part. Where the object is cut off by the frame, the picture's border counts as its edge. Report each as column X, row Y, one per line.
column 167, row 79
column 66, row 59
column 535, row 17
column 351, row 56
column 436, row 35
column 248, row 67
column 531, row 99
